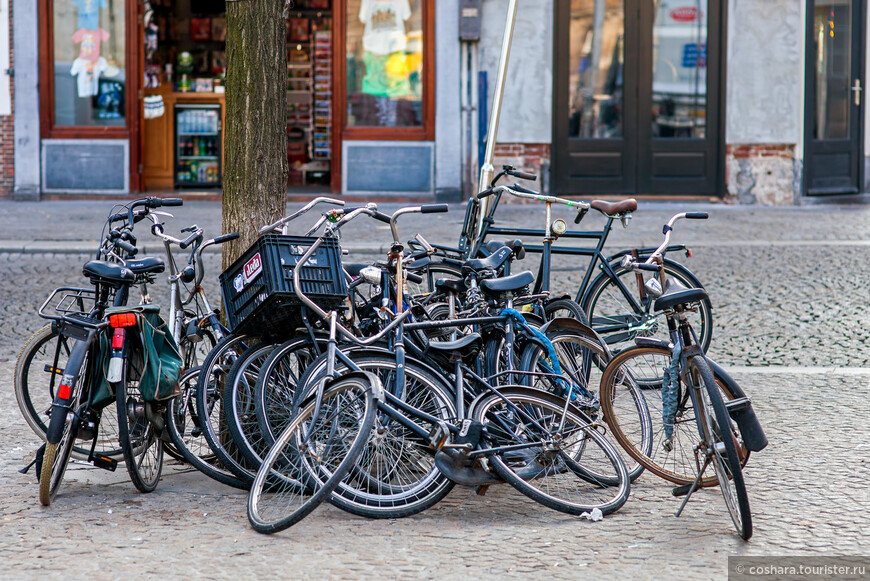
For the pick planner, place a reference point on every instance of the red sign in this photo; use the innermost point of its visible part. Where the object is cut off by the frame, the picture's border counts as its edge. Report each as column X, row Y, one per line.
column 253, row 267
column 684, row 14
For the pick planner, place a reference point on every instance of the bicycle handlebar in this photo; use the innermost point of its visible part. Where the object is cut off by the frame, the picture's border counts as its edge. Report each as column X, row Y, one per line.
column 283, row 221
column 650, row 264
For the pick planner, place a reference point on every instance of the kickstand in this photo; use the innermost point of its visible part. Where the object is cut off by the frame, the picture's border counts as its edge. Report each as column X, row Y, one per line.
column 28, row 467
column 696, row 485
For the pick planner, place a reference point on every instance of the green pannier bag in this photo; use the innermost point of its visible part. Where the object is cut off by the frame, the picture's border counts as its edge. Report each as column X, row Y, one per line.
column 153, row 358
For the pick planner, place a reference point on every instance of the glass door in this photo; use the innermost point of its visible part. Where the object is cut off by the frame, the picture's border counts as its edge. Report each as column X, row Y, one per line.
column 834, row 96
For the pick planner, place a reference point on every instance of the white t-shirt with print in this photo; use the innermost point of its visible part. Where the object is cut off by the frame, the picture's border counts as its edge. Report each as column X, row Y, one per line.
column 384, row 25
column 88, row 73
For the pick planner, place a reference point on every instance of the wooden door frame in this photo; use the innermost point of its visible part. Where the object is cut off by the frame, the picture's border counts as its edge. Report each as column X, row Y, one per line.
column 561, row 48
column 810, row 99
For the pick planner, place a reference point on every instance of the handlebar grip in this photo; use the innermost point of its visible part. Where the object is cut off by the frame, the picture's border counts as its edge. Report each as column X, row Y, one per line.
column 380, row 217
column 485, row 193
column 227, row 237
column 127, row 247
column 524, row 175
column 190, row 240
column 415, row 278
column 522, row 190
column 420, row 254
column 648, row 267
column 434, row 209
column 697, row 215
column 580, row 214
column 170, row 202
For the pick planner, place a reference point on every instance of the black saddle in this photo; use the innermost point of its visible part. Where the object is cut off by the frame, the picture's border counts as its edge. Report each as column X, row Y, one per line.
column 508, row 284
column 676, row 293
column 450, row 285
column 492, row 262
column 516, row 247
column 147, row 265
column 463, row 346
column 110, row 273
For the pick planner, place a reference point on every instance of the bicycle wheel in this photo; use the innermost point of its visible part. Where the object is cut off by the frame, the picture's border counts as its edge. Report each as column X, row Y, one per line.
column 565, row 463
column 395, row 474
column 613, row 316
column 576, row 353
column 276, row 384
column 186, row 433
column 631, row 402
column 565, row 308
column 722, row 446
column 241, row 414
column 210, row 405
column 313, row 454
column 34, row 395
column 140, row 441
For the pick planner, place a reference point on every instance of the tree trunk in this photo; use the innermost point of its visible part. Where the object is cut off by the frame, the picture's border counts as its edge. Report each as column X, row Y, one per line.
column 255, row 175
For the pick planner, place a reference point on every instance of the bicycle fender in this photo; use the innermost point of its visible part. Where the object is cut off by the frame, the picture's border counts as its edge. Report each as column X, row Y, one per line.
column 571, row 324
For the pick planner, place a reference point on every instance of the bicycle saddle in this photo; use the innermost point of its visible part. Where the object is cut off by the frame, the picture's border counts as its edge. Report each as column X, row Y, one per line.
column 462, row 346
column 110, row 273
column 450, row 285
column 516, row 247
column 147, row 265
column 492, row 262
column 614, row 208
column 508, row 284
column 676, row 293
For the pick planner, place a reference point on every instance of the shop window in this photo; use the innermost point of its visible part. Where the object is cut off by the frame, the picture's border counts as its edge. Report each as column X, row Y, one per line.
column 387, row 53
column 88, row 62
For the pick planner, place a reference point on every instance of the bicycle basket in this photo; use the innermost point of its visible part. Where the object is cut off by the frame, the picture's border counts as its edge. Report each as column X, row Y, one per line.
column 258, row 288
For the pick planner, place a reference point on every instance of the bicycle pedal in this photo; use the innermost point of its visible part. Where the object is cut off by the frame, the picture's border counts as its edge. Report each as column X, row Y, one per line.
column 105, row 463
column 439, row 435
column 481, row 490
column 55, row 370
column 682, row 490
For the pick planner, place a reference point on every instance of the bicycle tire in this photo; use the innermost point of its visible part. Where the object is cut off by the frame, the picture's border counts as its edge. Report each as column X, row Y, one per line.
column 183, row 426
column 564, row 308
column 140, row 443
column 580, row 462
column 575, row 351
column 297, row 482
column 395, row 475
column 32, row 394
column 607, row 308
column 240, row 409
column 631, row 404
column 725, row 458
column 209, row 402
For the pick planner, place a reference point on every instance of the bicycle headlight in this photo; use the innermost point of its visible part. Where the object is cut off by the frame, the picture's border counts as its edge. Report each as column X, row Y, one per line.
column 559, row 227
column 371, row 274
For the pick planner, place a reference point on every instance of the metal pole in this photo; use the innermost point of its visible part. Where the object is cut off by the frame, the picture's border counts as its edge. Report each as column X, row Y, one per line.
column 488, row 169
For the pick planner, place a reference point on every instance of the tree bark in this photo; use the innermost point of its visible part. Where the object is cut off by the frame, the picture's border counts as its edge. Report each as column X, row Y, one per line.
column 255, row 174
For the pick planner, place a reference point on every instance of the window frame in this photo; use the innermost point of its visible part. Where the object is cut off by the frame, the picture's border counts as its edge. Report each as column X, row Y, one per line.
column 48, row 129
column 341, row 132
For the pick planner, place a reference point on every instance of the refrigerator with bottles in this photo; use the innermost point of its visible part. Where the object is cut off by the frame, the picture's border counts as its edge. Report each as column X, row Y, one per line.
column 198, row 146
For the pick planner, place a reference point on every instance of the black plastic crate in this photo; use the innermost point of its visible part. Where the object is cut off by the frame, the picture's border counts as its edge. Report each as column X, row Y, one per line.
column 258, row 287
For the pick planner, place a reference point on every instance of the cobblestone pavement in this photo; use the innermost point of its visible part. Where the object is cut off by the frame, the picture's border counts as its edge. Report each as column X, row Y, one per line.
column 788, row 288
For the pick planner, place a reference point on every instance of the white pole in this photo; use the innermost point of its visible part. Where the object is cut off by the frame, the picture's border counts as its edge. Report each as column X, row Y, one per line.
column 487, row 170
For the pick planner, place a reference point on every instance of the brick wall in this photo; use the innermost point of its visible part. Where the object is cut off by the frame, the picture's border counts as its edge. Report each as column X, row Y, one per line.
column 762, row 173
column 7, row 130
column 528, row 157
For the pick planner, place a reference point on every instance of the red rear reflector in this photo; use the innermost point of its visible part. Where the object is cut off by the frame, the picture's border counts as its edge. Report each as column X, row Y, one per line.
column 118, row 339
column 64, row 391
column 123, row 320
column 689, row 252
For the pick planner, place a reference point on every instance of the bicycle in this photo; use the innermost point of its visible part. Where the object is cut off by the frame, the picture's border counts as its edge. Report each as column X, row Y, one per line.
column 662, row 439
column 422, row 431
column 87, row 384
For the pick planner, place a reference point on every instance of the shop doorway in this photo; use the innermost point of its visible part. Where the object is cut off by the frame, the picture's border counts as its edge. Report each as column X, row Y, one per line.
column 637, row 97
column 182, row 112
column 833, row 152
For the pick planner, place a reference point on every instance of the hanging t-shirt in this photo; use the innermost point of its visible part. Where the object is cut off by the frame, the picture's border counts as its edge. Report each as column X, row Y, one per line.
column 88, row 73
column 89, row 12
column 384, row 22
column 90, row 39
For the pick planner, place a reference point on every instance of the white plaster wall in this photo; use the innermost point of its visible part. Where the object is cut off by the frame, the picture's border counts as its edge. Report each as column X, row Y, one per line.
column 765, row 73
column 528, row 101
column 448, row 162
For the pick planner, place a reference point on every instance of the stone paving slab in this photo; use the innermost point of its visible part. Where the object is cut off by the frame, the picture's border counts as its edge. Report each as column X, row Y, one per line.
column 808, row 493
